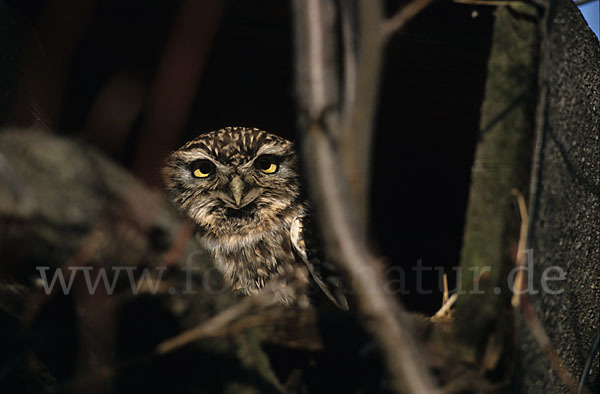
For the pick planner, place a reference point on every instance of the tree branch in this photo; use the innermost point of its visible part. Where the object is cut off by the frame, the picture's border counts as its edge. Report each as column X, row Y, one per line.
column 335, row 207
column 357, row 124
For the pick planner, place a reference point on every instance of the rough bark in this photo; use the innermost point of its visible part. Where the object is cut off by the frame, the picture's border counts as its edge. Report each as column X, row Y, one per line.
column 565, row 208
column 542, row 56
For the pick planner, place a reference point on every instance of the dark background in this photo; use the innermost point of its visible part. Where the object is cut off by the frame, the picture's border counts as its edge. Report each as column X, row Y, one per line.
column 139, row 78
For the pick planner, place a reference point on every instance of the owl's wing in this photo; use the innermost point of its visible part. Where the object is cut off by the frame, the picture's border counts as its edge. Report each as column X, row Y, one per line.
column 323, row 273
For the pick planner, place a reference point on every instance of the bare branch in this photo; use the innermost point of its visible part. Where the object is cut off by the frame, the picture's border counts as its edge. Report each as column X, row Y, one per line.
column 357, row 124
column 384, row 317
column 345, row 241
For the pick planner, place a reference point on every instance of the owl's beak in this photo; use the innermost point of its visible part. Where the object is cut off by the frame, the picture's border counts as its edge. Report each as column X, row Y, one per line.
column 237, row 187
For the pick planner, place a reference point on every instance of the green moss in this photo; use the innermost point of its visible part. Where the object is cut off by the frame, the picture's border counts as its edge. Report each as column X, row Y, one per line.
column 502, row 162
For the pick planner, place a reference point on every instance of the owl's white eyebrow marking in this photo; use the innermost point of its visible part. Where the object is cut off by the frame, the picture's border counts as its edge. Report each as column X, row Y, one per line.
column 195, row 155
column 190, row 156
column 271, row 148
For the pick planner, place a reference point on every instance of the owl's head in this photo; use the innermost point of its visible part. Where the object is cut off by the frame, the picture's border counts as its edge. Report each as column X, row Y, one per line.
column 234, row 180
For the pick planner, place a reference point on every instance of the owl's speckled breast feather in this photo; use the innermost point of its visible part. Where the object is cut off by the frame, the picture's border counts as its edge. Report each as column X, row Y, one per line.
column 249, row 262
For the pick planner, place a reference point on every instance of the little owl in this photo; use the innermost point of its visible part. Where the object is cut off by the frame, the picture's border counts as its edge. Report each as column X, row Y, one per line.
column 242, row 189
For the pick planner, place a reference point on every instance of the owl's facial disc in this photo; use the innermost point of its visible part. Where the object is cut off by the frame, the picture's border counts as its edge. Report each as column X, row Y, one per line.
column 234, row 180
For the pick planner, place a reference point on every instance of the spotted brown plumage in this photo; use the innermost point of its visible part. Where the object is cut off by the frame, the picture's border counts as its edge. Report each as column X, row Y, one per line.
column 242, row 189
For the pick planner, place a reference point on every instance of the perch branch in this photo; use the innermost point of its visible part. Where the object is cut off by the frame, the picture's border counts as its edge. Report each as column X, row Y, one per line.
column 210, row 328
column 222, row 323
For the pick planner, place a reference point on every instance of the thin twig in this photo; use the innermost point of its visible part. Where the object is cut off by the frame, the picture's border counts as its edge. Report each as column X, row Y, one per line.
column 445, row 309
column 404, row 15
column 521, row 299
column 519, row 260
column 210, row 328
column 588, row 363
column 220, row 324
column 539, row 334
column 445, row 295
column 448, row 302
column 582, row 2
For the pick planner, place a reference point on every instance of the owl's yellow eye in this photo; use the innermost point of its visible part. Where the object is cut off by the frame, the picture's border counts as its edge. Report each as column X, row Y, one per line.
column 202, row 168
column 267, row 164
column 272, row 168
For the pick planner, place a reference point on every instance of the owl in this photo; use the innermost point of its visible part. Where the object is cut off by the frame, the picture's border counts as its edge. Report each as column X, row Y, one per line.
column 242, row 188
